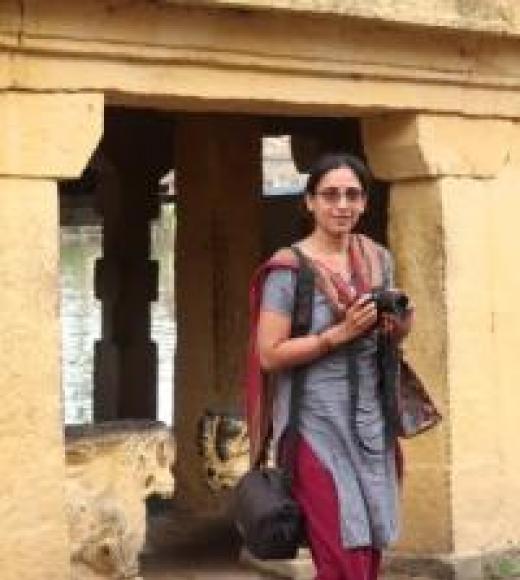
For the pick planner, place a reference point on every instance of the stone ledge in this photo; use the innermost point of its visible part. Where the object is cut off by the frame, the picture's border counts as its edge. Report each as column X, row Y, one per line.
column 116, row 430
column 498, row 17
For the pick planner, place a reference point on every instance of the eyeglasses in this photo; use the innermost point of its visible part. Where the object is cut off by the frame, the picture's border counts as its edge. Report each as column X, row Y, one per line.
column 334, row 195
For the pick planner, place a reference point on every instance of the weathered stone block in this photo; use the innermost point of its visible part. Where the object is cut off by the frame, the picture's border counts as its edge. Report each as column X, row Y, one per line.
column 111, row 469
column 405, row 146
column 48, row 135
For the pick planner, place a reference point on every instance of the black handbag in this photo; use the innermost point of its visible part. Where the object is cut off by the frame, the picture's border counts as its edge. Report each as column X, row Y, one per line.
column 266, row 515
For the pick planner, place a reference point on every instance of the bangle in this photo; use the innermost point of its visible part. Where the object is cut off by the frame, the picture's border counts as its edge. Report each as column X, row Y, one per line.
column 325, row 340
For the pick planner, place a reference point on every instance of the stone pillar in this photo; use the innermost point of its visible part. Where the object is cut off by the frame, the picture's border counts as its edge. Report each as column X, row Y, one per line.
column 218, row 180
column 44, row 137
column 139, row 149
column 451, row 230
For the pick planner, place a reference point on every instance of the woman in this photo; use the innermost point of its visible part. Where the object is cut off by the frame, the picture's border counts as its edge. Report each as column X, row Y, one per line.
column 346, row 479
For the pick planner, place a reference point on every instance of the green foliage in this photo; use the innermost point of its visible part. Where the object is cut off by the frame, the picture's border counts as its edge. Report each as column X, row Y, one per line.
column 503, row 568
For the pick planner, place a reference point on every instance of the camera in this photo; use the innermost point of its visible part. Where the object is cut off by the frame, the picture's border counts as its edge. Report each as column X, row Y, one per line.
column 389, row 301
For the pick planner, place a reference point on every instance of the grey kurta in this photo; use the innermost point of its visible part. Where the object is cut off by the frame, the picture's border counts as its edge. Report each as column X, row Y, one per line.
column 361, row 460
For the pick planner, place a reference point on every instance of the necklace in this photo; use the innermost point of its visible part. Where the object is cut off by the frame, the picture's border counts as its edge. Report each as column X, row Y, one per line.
column 332, row 267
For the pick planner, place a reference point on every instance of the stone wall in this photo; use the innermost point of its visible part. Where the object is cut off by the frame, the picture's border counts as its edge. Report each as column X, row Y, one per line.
column 452, row 209
column 35, row 150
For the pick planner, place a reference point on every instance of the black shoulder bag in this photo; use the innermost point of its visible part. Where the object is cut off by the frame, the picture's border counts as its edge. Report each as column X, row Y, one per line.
column 265, row 514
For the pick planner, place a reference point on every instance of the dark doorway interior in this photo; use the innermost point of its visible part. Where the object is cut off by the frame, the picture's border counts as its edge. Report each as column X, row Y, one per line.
column 285, row 218
column 118, row 199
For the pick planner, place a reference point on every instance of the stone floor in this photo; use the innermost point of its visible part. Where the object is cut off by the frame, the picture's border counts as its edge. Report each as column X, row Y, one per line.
column 208, row 569
column 201, row 569
column 179, row 548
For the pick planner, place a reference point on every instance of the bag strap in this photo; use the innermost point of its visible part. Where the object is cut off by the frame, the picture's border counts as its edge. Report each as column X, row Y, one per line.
column 303, row 296
column 300, row 326
column 301, row 321
column 390, row 357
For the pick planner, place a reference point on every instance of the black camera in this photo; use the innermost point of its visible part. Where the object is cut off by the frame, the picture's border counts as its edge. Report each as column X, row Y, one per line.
column 389, row 301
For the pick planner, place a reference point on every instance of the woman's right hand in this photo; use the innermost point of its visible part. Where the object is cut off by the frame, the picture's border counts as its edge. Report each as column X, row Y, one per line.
column 359, row 317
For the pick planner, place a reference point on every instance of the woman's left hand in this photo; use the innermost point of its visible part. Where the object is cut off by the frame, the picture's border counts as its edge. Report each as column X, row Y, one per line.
column 398, row 327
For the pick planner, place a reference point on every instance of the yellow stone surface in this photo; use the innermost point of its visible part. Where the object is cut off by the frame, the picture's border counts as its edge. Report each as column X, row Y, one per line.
column 32, row 502
column 475, row 451
column 455, row 243
column 507, row 332
column 111, row 469
column 481, row 228
column 409, row 146
column 416, row 238
column 199, row 87
column 175, row 56
column 48, row 135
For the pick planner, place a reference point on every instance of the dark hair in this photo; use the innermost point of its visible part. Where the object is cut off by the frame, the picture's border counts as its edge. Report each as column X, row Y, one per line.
column 330, row 161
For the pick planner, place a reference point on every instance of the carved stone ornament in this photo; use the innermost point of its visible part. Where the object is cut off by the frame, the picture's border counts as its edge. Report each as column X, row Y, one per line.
column 224, row 446
column 111, row 469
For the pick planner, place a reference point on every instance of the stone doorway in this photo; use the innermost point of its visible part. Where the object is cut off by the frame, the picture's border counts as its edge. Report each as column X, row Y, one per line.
column 233, row 208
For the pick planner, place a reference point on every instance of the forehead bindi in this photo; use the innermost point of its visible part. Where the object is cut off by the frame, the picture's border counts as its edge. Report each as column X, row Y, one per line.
column 340, row 178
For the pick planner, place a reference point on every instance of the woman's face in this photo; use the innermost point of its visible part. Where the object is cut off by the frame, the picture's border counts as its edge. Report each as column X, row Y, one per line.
column 337, row 202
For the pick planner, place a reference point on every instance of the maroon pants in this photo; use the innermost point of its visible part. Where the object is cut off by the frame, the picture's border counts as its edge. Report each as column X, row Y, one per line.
column 314, row 490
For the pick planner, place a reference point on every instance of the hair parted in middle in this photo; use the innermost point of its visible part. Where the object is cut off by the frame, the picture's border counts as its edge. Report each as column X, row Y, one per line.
column 330, row 161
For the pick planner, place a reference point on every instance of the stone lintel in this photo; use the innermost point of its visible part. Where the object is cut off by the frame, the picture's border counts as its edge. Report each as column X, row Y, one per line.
column 260, row 61
column 48, row 135
column 411, row 146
